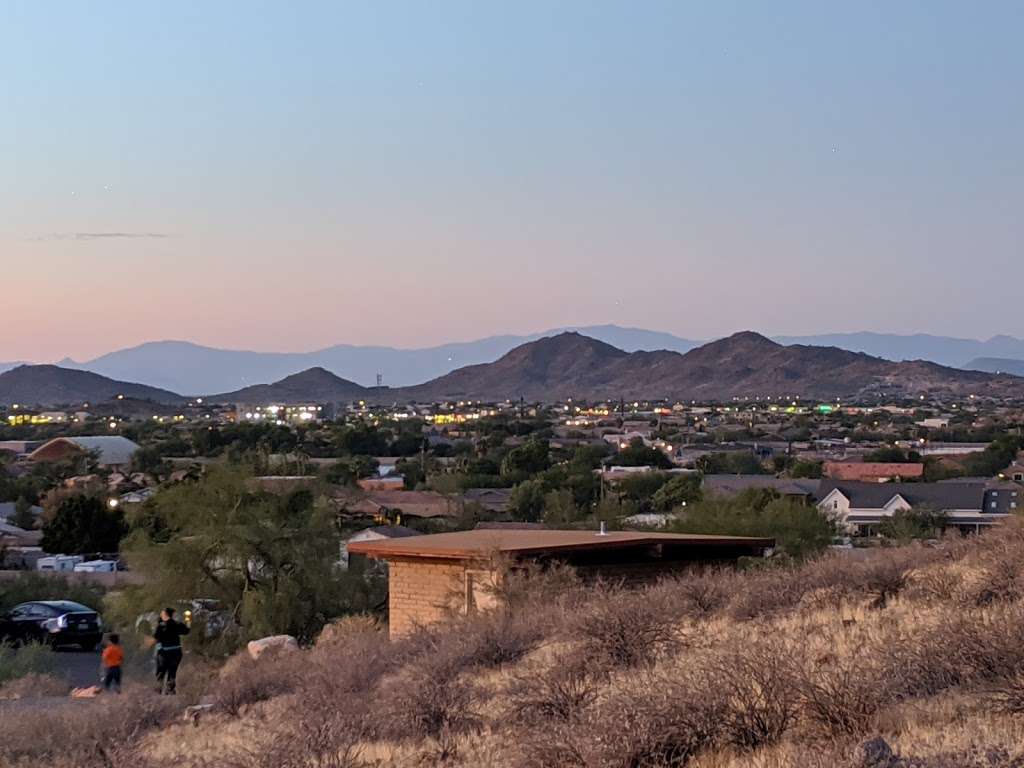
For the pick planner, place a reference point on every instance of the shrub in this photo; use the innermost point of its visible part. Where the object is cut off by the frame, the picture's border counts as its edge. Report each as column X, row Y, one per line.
column 567, row 686
column 624, row 628
column 103, row 734
column 844, row 694
column 31, row 659
column 664, row 719
column 244, row 681
column 429, row 700
column 759, row 686
column 702, row 593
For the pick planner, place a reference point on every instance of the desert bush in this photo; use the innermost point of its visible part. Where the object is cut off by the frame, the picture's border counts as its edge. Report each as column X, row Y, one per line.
column 32, row 686
column 428, row 700
column 701, row 594
column 340, row 631
column 103, row 734
column 624, row 628
column 766, row 592
column 558, row 691
column 759, row 686
column 244, row 681
column 1000, row 578
column 30, row 659
column 843, row 694
column 662, row 720
column 1009, row 694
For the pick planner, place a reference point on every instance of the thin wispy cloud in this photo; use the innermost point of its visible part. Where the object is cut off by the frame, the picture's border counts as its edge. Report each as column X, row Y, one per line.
column 85, row 236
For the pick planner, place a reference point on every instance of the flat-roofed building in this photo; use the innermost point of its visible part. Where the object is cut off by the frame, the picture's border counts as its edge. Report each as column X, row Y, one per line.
column 429, row 577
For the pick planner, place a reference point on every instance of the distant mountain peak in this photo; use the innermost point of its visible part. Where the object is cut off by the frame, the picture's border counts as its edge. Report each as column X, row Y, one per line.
column 313, row 375
column 750, row 337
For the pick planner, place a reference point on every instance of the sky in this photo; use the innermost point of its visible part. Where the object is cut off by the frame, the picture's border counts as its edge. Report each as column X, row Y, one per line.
column 287, row 176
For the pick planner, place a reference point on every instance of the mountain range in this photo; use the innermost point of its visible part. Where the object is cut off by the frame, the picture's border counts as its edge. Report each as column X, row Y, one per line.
column 745, row 364
column 570, row 364
column 182, row 366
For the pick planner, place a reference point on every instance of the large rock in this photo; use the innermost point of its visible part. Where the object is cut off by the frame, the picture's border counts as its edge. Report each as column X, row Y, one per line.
column 276, row 643
column 876, row 753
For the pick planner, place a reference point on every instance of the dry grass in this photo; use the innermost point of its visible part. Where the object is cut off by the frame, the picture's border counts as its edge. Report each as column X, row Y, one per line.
column 773, row 668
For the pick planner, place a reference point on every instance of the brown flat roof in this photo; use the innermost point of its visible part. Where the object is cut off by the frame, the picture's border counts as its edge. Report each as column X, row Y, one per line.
column 469, row 545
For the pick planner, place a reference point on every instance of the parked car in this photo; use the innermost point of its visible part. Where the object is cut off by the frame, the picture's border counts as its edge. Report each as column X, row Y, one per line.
column 53, row 622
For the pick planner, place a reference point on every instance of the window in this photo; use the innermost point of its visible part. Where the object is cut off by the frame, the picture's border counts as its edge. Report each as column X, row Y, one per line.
column 993, row 505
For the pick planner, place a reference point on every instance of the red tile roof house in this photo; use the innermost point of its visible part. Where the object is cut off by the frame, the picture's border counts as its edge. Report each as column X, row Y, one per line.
column 872, row 471
column 432, row 576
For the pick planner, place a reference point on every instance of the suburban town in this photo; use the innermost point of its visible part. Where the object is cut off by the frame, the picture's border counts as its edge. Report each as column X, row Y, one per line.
column 578, row 384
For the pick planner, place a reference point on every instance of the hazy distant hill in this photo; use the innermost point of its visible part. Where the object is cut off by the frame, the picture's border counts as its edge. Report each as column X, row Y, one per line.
column 744, row 364
column 944, row 350
column 186, row 367
column 182, row 366
column 997, row 365
column 51, row 385
column 315, row 385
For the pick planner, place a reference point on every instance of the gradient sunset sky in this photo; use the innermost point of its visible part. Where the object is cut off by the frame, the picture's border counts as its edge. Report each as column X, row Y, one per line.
column 290, row 175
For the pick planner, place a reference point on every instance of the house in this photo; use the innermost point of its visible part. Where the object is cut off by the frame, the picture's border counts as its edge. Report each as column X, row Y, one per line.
column 375, row 533
column 873, row 471
column 394, row 506
column 8, row 508
column 431, row 576
column 19, row 447
column 491, row 499
column 387, row 478
column 861, row 507
column 732, row 485
column 1015, row 471
column 112, row 451
column 12, row 536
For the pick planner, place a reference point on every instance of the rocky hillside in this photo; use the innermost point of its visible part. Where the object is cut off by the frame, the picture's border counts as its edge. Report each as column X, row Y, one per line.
column 745, row 364
column 50, row 385
column 315, row 385
column 901, row 657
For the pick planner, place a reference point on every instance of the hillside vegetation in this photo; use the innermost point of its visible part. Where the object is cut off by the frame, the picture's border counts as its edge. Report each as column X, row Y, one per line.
column 908, row 657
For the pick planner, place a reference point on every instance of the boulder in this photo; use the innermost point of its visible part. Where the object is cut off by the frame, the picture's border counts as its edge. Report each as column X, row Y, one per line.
column 876, row 753
column 277, row 643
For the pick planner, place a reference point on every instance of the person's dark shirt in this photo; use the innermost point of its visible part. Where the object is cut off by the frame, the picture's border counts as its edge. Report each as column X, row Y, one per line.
column 168, row 633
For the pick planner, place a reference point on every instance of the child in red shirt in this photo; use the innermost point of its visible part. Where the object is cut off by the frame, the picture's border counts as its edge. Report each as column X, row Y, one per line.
column 113, row 658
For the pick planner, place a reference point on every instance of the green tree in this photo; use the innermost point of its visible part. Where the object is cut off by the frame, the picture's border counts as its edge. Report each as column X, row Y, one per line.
column 527, row 459
column 640, row 487
column 730, row 463
column 681, row 489
column 906, row 525
column 83, row 524
column 996, row 457
column 799, row 530
column 892, row 455
column 527, row 501
column 807, row 469
column 560, row 508
column 23, row 517
column 636, row 454
column 268, row 560
column 148, row 460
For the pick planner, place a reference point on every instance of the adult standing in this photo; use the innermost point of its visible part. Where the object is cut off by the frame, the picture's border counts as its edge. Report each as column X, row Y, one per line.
column 168, row 635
